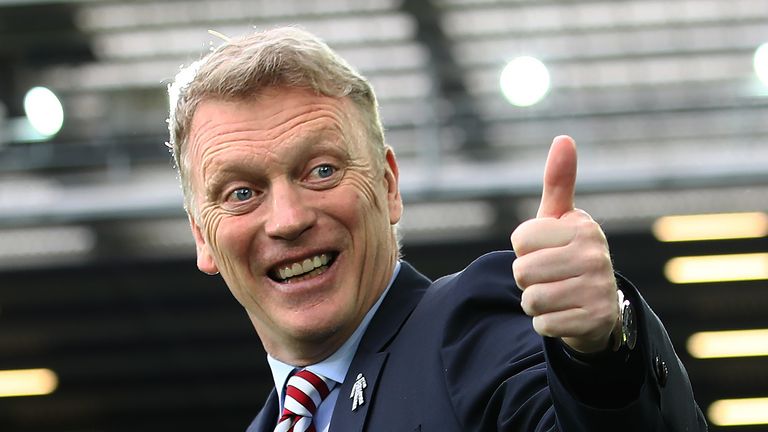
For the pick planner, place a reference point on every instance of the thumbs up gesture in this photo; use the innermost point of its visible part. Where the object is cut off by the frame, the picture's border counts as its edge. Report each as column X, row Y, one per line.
column 563, row 263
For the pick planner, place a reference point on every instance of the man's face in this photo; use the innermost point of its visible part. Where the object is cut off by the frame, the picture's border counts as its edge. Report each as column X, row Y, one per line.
column 295, row 213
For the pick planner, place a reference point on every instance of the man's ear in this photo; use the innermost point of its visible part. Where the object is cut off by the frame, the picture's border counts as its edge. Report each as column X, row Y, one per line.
column 205, row 261
column 392, row 177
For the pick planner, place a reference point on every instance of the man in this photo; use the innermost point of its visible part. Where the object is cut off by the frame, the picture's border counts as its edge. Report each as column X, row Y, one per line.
column 293, row 197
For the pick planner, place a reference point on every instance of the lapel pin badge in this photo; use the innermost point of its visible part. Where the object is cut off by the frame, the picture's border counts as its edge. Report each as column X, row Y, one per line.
column 357, row 391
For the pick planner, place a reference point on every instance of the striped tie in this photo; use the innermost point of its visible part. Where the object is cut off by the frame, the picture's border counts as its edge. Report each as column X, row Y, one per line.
column 303, row 394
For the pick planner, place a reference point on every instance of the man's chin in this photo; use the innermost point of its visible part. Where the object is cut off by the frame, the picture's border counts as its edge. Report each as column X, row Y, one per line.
column 314, row 342
column 314, row 332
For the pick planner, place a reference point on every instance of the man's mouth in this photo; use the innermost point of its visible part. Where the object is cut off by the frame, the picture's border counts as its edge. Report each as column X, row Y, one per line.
column 304, row 269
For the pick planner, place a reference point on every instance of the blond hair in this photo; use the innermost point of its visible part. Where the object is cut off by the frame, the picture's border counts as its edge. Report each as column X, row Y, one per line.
column 242, row 67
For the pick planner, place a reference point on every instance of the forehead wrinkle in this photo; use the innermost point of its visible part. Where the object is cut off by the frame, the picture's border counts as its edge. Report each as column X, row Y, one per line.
column 245, row 130
column 295, row 116
column 245, row 141
column 252, row 137
column 306, row 114
column 304, row 144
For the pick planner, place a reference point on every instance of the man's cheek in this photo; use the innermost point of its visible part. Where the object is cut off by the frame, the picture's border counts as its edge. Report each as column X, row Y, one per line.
column 360, row 184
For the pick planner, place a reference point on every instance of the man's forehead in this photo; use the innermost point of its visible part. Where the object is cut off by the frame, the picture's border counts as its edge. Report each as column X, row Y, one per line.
column 270, row 111
column 275, row 99
column 217, row 124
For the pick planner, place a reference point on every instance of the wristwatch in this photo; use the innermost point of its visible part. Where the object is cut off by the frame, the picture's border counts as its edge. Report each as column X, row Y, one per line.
column 625, row 335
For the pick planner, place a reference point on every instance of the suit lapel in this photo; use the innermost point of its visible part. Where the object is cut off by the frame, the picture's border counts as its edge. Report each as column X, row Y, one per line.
column 371, row 355
column 267, row 418
column 344, row 418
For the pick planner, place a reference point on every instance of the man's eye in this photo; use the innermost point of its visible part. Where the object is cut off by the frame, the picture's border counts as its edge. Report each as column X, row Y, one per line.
column 324, row 171
column 241, row 194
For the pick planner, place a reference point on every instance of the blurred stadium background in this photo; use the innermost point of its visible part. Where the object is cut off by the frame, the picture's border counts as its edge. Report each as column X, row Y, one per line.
column 99, row 292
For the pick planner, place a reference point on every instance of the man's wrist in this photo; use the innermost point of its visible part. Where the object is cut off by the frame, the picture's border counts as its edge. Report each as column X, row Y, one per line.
column 590, row 359
column 623, row 337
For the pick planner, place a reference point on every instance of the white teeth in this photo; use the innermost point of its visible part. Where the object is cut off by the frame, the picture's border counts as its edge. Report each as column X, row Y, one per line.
column 305, row 266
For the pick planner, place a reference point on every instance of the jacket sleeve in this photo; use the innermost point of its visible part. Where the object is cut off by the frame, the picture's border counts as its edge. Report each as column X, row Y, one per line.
column 646, row 389
column 502, row 375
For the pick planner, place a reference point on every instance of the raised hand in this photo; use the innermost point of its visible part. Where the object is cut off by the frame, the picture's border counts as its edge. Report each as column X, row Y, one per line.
column 563, row 263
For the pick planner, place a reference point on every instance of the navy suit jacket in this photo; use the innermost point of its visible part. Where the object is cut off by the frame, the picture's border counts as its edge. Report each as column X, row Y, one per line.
column 459, row 354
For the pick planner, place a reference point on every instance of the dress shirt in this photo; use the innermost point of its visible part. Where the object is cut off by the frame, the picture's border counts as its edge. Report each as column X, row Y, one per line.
column 334, row 367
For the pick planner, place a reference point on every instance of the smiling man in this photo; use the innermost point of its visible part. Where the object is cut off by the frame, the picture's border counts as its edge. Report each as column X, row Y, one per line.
column 293, row 197
column 295, row 214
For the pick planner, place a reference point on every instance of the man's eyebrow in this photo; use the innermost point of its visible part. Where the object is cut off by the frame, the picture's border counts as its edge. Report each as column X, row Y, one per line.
column 321, row 136
column 221, row 176
column 325, row 141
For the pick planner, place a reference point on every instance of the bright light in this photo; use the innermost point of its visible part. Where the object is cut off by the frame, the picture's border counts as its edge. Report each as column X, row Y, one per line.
column 711, row 227
column 44, row 111
column 524, row 81
column 45, row 241
column 760, row 63
column 736, row 412
column 717, row 268
column 27, row 382
column 731, row 343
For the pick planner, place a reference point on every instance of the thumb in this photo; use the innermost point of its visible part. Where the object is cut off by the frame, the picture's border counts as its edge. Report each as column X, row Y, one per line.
column 559, row 179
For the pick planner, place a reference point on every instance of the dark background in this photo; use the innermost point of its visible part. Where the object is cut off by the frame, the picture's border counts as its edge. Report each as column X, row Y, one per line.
column 97, row 271
column 157, row 345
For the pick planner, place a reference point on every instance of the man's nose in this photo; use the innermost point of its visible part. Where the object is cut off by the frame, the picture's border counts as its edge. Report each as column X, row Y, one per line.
column 289, row 216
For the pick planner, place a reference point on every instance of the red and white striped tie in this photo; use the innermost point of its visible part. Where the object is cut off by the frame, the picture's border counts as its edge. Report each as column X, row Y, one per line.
column 303, row 394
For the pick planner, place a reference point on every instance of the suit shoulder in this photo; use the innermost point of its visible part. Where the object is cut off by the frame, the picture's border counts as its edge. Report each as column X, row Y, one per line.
column 482, row 296
column 490, row 355
column 490, row 275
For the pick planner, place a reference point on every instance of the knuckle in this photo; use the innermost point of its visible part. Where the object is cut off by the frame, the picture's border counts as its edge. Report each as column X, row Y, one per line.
column 583, row 217
column 520, row 273
column 532, row 301
column 594, row 259
column 543, row 325
column 525, row 302
column 520, row 238
column 590, row 228
column 524, row 237
column 605, row 316
column 588, row 222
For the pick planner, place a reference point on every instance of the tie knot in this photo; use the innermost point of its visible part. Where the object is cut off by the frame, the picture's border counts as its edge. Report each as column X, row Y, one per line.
column 304, row 392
